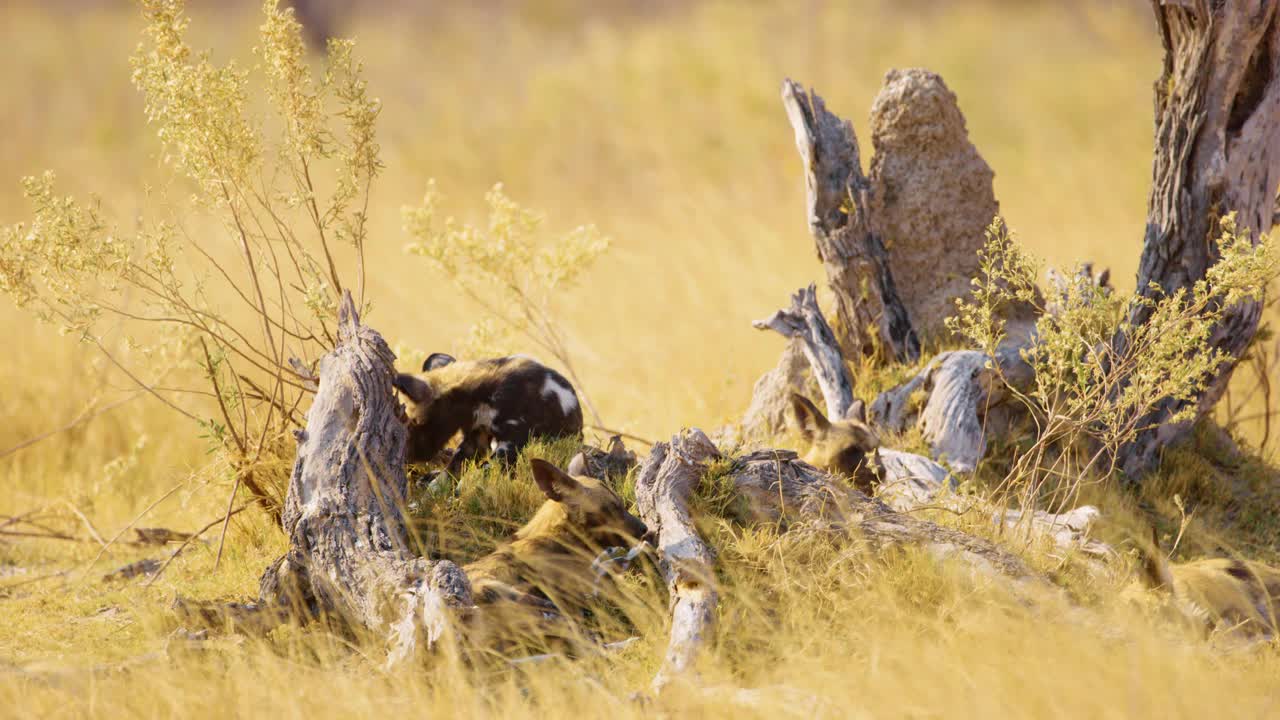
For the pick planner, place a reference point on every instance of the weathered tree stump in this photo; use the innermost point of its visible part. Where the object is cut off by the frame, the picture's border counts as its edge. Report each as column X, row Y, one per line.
column 349, row 557
column 1217, row 112
column 871, row 316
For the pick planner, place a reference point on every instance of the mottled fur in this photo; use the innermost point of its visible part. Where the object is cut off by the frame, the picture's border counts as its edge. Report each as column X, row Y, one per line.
column 497, row 404
column 846, row 447
column 1225, row 594
column 550, row 557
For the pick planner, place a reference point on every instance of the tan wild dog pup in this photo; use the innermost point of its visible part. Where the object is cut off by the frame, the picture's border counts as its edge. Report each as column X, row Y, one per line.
column 550, row 557
column 846, row 447
column 497, row 405
column 1223, row 594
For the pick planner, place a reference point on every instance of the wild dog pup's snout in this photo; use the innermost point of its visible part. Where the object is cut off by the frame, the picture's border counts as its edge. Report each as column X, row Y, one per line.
column 497, row 404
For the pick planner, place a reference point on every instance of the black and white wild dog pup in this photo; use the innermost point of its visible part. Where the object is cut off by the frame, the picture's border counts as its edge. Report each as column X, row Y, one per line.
column 497, row 404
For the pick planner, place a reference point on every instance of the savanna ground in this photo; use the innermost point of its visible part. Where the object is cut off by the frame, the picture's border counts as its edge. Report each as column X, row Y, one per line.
column 663, row 128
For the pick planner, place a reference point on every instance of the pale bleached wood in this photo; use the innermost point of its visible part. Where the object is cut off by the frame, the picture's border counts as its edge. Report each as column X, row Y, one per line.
column 959, row 387
column 664, row 487
column 870, row 314
column 909, row 481
column 803, row 321
column 779, row 487
column 1217, row 150
column 956, row 387
column 348, row 557
column 1068, row 530
column 951, row 419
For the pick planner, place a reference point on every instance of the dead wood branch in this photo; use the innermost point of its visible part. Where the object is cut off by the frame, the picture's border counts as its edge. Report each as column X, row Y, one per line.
column 871, row 316
column 962, row 391
column 778, row 488
column 664, row 488
column 782, row 488
column 803, row 321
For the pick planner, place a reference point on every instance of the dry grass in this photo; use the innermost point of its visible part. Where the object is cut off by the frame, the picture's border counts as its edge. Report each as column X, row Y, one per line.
column 664, row 129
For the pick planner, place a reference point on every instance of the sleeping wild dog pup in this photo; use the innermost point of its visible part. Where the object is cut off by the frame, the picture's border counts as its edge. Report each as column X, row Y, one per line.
column 550, row 557
column 1241, row 597
column 846, row 447
column 497, row 404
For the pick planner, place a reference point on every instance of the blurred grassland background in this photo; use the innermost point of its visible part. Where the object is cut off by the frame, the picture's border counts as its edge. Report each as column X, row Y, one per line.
column 661, row 124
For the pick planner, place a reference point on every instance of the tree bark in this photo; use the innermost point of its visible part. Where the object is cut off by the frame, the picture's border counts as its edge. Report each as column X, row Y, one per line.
column 349, row 557
column 961, row 388
column 1217, row 113
column 870, row 315
column 803, row 321
column 778, row 488
column 664, row 489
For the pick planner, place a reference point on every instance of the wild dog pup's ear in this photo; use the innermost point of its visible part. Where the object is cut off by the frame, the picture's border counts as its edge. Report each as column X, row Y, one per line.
column 858, row 411
column 437, row 360
column 414, row 388
column 578, row 465
column 552, row 481
column 810, row 419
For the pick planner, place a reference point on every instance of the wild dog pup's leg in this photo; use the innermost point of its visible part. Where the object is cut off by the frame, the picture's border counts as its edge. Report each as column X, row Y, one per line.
column 475, row 443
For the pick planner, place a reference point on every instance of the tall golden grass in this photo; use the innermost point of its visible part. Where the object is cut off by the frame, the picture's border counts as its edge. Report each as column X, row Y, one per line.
column 663, row 128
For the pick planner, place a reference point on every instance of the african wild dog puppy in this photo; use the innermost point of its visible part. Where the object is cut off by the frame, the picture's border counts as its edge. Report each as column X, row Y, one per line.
column 846, row 446
column 550, row 558
column 497, row 404
column 1238, row 596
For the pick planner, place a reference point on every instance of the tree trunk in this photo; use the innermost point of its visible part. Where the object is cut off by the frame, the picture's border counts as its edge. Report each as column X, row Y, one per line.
column 348, row 557
column 1217, row 112
column 870, row 315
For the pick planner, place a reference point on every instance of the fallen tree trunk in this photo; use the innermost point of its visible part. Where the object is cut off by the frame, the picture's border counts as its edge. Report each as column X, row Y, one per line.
column 778, row 488
column 349, row 557
column 1217, row 112
column 664, row 489
column 871, row 316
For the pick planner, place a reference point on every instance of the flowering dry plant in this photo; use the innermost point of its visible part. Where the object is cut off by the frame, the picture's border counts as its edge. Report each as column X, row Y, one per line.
column 1098, row 376
column 510, row 269
column 247, row 310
